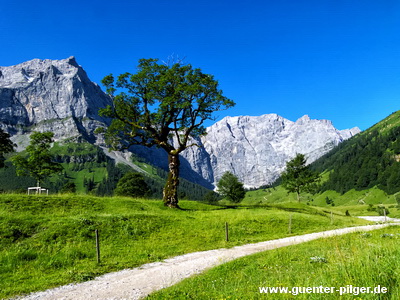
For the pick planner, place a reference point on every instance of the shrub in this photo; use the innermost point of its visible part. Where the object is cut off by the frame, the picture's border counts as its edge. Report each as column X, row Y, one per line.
column 382, row 211
column 211, row 197
column 132, row 184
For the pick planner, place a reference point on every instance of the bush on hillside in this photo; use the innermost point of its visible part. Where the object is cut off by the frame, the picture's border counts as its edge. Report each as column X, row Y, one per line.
column 211, row 197
column 382, row 211
column 132, row 184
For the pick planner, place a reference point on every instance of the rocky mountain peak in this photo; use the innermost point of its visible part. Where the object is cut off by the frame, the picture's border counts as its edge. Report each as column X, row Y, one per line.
column 303, row 120
column 256, row 149
column 54, row 95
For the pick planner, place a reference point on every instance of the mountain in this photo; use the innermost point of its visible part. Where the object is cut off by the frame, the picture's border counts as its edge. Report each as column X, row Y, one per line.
column 58, row 96
column 370, row 159
column 256, row 149
column 50, row 95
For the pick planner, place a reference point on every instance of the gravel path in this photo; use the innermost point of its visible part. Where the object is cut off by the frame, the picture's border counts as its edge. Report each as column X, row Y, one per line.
column 379, row 219
column 140, row 282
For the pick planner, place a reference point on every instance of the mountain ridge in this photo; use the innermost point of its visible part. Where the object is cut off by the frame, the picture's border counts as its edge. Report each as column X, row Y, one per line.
column 256, row 148
column 58, row 96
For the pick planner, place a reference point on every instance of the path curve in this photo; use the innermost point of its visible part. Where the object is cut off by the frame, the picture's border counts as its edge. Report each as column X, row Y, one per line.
column 140, row 282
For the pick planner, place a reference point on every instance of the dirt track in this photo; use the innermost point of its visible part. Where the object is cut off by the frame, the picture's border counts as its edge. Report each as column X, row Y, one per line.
column 140, row 282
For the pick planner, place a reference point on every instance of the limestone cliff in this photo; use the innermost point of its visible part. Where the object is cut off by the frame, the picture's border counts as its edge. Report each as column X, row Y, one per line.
column 256, row 149
column 50, row 95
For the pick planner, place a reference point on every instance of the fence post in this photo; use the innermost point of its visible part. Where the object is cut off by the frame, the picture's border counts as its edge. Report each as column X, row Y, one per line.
column 331, row 217
column 226, row 232
column 290, row 224
column 97, row 246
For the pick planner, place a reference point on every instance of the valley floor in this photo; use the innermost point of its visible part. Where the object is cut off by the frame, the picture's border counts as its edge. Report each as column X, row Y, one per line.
column 139, row 282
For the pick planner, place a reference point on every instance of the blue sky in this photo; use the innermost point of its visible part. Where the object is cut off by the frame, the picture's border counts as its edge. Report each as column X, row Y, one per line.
column 331, row 59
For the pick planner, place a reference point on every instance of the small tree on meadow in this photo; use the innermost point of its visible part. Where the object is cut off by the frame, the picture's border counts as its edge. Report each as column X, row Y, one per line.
column 6, row 146
column 230, row 187
column 298, row 178
column 39, row 162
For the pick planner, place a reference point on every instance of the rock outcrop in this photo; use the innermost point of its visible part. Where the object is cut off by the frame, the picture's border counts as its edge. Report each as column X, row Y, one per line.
column 256, row 149
column 50, row 95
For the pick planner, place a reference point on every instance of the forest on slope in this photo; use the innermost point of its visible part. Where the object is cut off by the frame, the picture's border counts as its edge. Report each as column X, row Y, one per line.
column 371, row 158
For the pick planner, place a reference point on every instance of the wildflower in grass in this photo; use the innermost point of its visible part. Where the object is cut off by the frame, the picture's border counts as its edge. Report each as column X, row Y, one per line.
column 318, row 259
column 366, row 235
column 387, row 235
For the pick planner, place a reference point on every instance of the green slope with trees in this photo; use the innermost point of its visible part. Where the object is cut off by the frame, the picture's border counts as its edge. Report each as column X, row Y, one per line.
column 88, row 170
column 369, row 159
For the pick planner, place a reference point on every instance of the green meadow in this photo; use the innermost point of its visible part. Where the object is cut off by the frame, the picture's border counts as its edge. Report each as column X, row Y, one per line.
column 363, row 265
column 357, row 203
column 47, row 241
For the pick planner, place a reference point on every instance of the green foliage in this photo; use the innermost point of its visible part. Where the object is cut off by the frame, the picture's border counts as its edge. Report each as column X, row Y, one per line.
column 132, row 184
column 329, row 201
column 230, row 187
column 382, row 210
column 39, row 164
column 92, row 171
column 11, row 182
column 68, row 187
column 107, row 186
column 158, row 103
column 211, row 197
column 298, row 177
column 371, row 158
column 6, row 146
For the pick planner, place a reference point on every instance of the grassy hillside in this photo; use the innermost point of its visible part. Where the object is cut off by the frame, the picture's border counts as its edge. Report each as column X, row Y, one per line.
column 333, row 262
column 386, row 124
column 356, row 203
column 47, row 241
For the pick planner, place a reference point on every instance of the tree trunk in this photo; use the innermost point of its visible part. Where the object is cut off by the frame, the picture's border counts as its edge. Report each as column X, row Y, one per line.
column 170, row 194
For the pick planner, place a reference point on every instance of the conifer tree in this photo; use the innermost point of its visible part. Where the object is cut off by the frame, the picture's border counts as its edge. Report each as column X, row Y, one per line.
column 298, row 178
column 6, row 146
